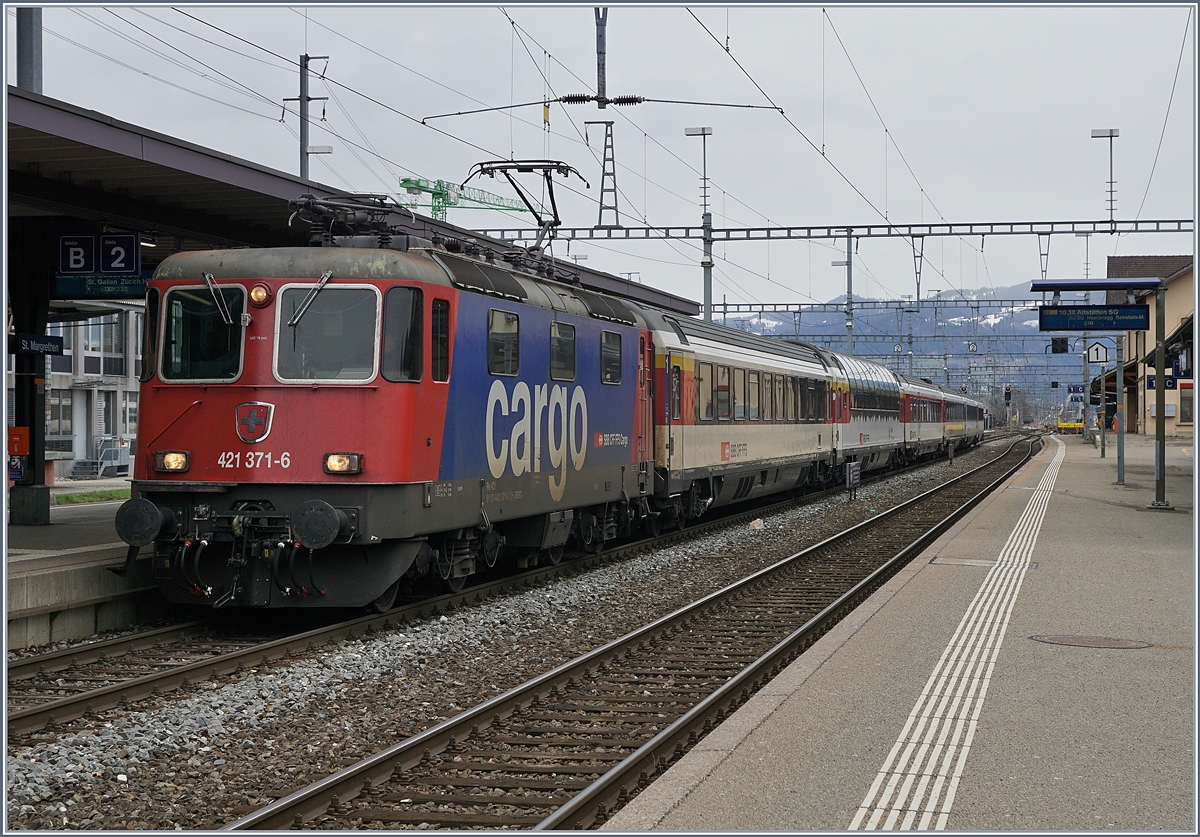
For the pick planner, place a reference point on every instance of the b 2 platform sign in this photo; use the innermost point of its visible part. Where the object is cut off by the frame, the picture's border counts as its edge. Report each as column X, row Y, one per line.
column 119, row 254
column 1094, row 318
column 100, row 267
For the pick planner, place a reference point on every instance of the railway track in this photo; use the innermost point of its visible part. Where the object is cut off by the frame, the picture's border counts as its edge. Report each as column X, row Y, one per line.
column 573, row 745
column 60, row 686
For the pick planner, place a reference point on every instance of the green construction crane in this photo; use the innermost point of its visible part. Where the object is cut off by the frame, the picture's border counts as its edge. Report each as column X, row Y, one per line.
column 443, row 195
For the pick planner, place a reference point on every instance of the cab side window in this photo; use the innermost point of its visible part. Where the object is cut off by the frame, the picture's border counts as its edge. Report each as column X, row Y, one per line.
column 610, row 357
column 504, row 343
column 439, row 342
column 562, row 352
column 403, row 317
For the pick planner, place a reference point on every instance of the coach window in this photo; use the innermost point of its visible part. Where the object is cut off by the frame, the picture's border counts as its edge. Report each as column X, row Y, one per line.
column 504, row 343
column 723, row 393
column 791, row 399
column 610, row 357
column 780, row 407
column 439, row 340
column 752, row 397
column 403, row 316
column 562, row 352
column 768, row 394
column 704, row 390
column 739, row 394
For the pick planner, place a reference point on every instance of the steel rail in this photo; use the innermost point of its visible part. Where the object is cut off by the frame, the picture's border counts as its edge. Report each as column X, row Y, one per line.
column 300, row 806
column 649, row 760
column 21, row 668
column 70, row 707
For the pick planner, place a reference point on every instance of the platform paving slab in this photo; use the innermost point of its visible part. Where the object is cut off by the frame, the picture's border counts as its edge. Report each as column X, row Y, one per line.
column 1067, row 738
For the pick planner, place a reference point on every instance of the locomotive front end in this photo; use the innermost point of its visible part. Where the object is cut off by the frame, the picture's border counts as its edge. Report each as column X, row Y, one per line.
column 279, row 456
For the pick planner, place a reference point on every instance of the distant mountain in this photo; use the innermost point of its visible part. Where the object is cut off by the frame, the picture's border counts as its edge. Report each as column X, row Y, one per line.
column 1008, row 346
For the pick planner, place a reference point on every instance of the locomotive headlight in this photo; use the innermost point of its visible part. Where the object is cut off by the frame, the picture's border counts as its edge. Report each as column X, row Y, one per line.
column 343, row 463
column 175, row 461
column 260, row 295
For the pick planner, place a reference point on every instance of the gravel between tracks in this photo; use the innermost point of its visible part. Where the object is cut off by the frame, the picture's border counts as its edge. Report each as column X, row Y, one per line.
column 204, row 755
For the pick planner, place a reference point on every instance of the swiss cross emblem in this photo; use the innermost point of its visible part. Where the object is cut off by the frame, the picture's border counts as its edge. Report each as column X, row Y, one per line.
column 254, row 420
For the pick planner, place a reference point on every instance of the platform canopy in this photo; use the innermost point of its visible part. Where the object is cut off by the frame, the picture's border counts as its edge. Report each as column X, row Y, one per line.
column 1095, row 284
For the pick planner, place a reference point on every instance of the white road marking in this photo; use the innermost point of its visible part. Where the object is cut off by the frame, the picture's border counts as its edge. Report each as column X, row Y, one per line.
column 921, row 774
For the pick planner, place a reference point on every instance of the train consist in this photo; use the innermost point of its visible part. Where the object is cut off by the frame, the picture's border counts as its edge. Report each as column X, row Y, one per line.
column 321, row 426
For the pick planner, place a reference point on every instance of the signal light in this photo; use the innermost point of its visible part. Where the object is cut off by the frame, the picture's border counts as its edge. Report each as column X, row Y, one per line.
column 343, row 463
column 260, row 295
column 964, row 387
column 176, row 461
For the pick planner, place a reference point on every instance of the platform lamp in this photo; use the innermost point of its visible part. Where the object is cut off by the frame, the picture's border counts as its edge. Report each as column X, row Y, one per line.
column 706, row 261
column 1110, row 134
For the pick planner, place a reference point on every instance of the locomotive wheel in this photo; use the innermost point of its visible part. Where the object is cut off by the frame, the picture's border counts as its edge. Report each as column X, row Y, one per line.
column 386, row 599
column 554, row 555
column 453, row 585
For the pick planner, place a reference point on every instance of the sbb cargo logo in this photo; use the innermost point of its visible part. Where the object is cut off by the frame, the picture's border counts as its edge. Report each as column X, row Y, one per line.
column 548, row 419
column 611, row 440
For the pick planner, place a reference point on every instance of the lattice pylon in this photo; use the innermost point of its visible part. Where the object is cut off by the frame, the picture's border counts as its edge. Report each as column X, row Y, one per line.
column 608, row 183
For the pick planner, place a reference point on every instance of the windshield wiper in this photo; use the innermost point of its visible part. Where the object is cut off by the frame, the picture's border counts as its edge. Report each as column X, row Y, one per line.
column 308, row 300
column 218, row 298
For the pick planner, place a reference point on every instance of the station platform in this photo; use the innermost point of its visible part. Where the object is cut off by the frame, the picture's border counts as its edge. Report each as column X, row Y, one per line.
column 1033, row 670
column 58, row 586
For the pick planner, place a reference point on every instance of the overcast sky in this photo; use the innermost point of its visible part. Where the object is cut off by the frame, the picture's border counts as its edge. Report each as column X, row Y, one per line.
column 930, row 114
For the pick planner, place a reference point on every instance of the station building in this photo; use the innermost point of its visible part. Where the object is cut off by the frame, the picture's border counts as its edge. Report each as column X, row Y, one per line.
column 1139, row 348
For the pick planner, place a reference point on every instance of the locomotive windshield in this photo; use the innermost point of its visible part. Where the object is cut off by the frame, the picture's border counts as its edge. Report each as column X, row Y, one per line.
column 335, row 339
column 198, row 342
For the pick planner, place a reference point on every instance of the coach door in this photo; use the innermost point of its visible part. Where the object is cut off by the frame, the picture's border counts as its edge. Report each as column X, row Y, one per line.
column 644, row 413
column 675, row 411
